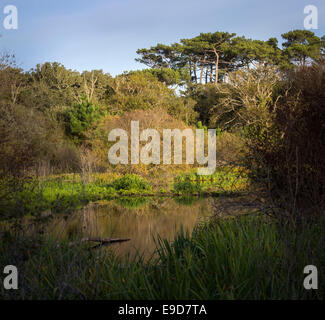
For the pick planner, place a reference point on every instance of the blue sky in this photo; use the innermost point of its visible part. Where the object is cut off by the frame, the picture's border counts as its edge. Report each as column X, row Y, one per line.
column 105, row 34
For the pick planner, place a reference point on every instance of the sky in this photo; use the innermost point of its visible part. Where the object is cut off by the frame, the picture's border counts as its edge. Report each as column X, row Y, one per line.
column 105, row 34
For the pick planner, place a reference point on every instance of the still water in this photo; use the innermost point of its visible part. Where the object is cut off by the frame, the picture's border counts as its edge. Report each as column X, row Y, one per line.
column 139, row 219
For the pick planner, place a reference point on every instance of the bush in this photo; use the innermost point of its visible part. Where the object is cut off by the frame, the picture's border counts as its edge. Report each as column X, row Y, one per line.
column 183, row 184
column 131, row 182
column 143, row 90
column 157, row 118
column 289, row 155
column 80, row 118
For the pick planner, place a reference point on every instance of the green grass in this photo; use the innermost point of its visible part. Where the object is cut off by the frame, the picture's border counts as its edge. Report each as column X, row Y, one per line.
column 131, row 182
column 224, row 180
column 239, row 258
column 66, row 193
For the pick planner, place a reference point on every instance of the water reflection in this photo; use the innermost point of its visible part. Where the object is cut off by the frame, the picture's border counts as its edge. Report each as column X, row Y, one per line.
column 140, row 219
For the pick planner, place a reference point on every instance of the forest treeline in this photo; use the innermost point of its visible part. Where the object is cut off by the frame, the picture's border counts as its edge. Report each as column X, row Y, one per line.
column 209, row 57
column 249, row 90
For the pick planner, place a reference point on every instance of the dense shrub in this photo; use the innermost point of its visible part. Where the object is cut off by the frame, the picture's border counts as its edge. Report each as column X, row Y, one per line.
column 289, row 155
column 80, row 118
column 131, row 182
column 157, row 118
column 183, row 184
column 142, row 90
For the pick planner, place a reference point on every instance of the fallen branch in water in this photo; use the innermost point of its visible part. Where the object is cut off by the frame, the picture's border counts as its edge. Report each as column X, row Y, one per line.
column 102, row 242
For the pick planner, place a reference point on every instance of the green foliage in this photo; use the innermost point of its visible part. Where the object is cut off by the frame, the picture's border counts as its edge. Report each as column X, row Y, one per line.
column 59, row 194
column 167, row 76
column 247, row 257
column 143, row 90
column 161, row 56
column 301, row 46
column 183, row 184
column 225, row 180
column 80, row 118
column 206, row 99
column 208, row 57
column 248, row 52
column 201, row 126
column 131, row 182
column 50, row 85
column 64, row 194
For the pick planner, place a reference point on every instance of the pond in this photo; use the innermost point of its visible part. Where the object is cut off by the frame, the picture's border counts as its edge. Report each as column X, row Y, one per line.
column 139, row 219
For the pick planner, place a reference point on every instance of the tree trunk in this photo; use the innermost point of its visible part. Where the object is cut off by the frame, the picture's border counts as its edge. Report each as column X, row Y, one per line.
column 201, row 76
column 206, row 75
column 211, row 73
column 195, row 74
column 217, row 68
